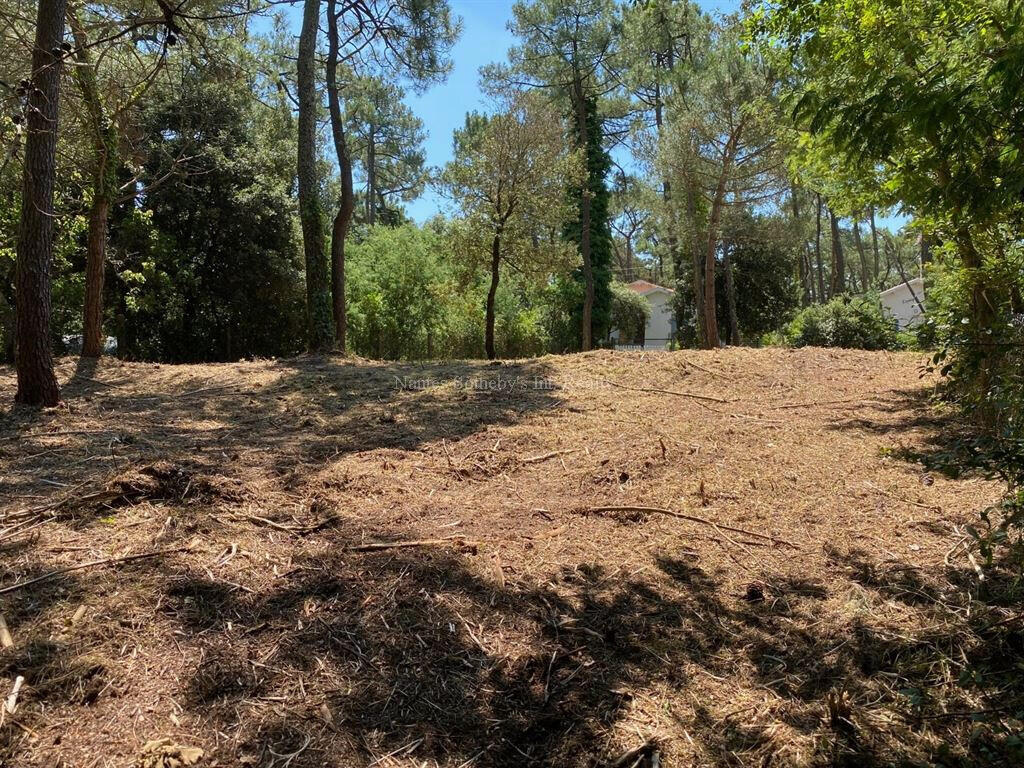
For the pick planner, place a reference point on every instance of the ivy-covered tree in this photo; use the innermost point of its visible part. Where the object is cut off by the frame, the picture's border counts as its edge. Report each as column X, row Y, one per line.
column 568, row 49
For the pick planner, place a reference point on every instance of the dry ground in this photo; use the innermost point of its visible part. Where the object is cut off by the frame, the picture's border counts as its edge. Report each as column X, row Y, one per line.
column 821, row 615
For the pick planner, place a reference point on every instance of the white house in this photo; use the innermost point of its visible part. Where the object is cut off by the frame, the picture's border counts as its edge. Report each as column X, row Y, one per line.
column 661, row 323
column 903, row 302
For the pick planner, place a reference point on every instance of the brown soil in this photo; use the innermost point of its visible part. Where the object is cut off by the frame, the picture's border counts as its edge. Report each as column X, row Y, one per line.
column 816, row 618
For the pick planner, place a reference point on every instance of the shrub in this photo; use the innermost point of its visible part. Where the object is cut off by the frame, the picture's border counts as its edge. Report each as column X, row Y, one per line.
column 854, row 323
column 630, row 312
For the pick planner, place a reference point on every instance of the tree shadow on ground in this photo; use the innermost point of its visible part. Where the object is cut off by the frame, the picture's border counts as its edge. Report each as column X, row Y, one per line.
column 353, row 658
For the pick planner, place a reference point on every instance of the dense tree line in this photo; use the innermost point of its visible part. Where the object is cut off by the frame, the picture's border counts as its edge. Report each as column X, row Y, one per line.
column 201, row 191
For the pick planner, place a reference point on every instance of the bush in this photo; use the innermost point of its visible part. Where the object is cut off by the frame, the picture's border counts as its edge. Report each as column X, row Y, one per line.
column 630, row 312
column 853, row 323
column 398, row 290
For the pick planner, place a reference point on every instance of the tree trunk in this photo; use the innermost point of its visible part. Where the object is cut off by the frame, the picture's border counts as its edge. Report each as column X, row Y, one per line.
column 491, row 294
column 588, row 267
column 822, row 295
column 874, row 242
column 95, row 266
column 697, row 261
column 311, row 210
column 104, row 188
column 371, row 177
column 37, row 384
column 838, row 259
column 711, row 340
column 346, row 206
column 806, row 287
column 865, row 280
column 730, row 296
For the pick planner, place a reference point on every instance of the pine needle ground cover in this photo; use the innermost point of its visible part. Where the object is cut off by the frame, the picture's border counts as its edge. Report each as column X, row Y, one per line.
column 692, row 558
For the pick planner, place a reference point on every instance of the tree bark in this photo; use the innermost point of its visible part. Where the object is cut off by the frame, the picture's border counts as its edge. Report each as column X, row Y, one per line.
column 37, row 384
column 491, row 294
column 95, row 267
column 865, row 281
column 104, row 184
column 586, row 336
column 874, row 241
column 371, row 177
column 711, row 338
column 697, row 261
column 806, row 286
column 838, row 259
column 311, row 210
column 346, row 206
column 822, row 295
column 730, row 296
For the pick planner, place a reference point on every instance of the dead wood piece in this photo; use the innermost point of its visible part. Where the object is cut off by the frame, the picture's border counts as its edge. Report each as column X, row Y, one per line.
column 6, row 641
column 677, row 393
column 549, row 455
column 90, row 564
column 813, row 403
column 377, row 546
column 929, row 507
column 633, row 756
column 692, row 518
column 11, row 703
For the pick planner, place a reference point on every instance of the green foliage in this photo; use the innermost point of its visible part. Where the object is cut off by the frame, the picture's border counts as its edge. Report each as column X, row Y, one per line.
column 598, row 163
column 405, row 302
column 208, row 267
column 850, row 322
column 630, row 312
column 398, row 287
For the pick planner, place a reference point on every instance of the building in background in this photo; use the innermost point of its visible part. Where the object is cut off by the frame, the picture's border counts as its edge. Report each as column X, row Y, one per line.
column 905, row 303
column 661, row 322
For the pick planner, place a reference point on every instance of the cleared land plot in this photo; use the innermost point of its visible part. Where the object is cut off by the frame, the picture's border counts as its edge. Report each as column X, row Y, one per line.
column 810, row 606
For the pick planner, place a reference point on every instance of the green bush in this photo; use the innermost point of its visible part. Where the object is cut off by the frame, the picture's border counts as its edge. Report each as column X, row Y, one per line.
column 853, row 323
column 630, row 312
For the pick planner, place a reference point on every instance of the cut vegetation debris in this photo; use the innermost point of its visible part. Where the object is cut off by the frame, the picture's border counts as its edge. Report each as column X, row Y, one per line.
column 312, row 565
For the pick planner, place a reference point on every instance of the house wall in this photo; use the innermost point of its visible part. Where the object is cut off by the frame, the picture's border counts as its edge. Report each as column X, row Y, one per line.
column 660, row 328
column 899, row 303
column 659, row 325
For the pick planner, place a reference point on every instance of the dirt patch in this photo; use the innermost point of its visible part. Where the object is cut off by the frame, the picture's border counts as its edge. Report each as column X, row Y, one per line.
column 458, row 565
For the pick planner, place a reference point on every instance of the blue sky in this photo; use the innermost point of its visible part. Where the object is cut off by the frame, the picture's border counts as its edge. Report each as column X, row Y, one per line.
column 485, row 39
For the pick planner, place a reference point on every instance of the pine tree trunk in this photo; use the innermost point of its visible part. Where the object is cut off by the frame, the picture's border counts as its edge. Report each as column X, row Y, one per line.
column 838, row 259
column 586, row 330
column 822, row 295
column 37, row 384
column 319, row 319
column 730, row 296
column 874, row 242
column 371, row 178
column 104, row 187
column 491, row 294
column 865, row 280
column 346, row 206
column 697, row 262
column 95, row 266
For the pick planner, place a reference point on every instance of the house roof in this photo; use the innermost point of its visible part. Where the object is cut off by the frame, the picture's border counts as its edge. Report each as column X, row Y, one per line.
column 643, row 287
column 916, row 284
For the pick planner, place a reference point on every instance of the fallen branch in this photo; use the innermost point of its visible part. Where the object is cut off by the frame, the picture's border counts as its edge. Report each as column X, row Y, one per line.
column 90, row 564
column 11, row 703
column 929, row 507
column 631, row 757
column 377, row 546
column 813, row 403
column 6, row 641
column 677, row 393
column 695, row 519
column 550, row 455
